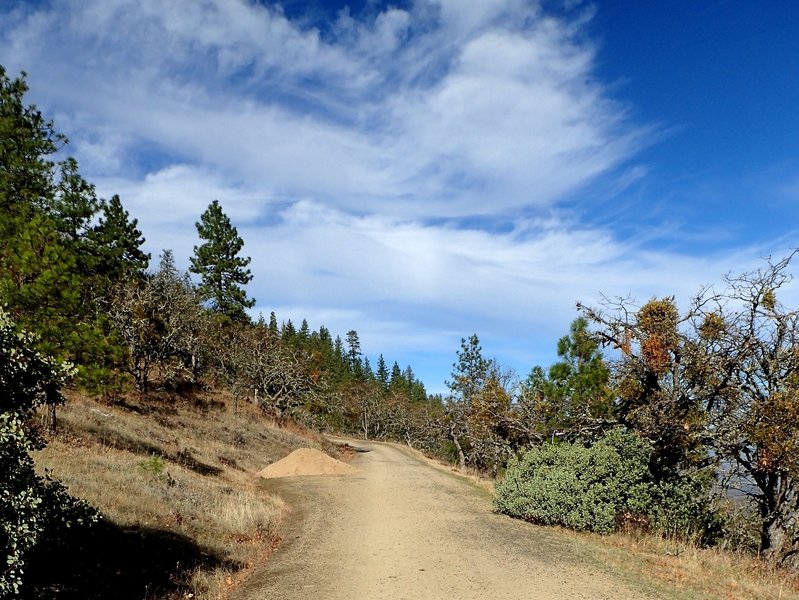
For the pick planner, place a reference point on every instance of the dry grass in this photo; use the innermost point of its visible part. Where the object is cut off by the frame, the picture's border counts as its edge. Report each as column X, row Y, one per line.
column 683, row 570
column 176, row 470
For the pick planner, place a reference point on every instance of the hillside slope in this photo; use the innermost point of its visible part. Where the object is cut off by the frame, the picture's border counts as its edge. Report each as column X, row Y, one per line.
column 176, row 480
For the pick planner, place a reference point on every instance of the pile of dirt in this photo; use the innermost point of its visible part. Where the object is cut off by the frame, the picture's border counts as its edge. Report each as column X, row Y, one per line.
column 306, row 461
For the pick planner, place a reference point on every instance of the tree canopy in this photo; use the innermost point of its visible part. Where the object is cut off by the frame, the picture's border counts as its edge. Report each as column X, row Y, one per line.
column 222, row 271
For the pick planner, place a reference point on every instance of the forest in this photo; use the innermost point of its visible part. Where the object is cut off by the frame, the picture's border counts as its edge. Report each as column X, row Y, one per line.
column 680, row 418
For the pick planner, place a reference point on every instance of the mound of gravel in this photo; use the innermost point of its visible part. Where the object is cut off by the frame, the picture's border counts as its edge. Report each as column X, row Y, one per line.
column 306, row 461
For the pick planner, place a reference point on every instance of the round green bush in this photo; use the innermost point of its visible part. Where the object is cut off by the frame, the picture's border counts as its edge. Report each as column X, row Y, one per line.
column 594, row 488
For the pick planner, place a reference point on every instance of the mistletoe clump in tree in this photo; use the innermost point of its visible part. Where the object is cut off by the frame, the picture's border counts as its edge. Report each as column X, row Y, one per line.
column 219, row 265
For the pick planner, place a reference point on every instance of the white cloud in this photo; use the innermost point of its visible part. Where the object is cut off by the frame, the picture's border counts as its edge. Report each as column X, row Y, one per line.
column 347, row 157
column 503, row 280
column 441, row 110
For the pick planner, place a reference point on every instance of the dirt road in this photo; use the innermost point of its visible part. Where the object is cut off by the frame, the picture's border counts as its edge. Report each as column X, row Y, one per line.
column 400, row 528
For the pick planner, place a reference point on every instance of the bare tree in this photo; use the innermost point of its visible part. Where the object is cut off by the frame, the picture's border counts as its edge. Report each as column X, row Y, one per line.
column 719, row 384
column 757, row 425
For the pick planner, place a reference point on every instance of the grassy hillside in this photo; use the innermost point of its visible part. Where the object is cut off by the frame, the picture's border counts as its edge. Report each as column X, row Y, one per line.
column 176, row 481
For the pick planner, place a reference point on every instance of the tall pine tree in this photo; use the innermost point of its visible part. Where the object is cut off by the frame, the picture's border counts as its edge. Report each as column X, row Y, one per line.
column 382, row 372
column 222, row 271
column 117, row 243
column 46, row 279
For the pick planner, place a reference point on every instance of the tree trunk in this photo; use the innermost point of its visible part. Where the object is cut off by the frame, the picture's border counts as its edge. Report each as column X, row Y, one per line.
column 461, row 455
column 49, row 418
column 779, row 522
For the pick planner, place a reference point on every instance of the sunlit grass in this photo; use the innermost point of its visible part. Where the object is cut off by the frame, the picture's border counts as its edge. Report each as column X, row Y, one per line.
column 688, row 571
column 184, row 468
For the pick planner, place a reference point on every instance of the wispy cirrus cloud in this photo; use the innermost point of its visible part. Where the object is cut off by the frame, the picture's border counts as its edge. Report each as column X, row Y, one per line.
column 441, row 110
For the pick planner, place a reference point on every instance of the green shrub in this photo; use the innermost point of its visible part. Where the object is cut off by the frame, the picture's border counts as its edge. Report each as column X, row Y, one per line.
column 29, row 504
column 683, row 508
column 154, row 465
column 581, row 488
column 595, row 488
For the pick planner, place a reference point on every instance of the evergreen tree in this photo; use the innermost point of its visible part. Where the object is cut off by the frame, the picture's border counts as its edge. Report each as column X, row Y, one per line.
column 574, row 398
column 418, row 393
column 382, row 372
column 339, row 363
column 46, row 279
column 324, row 336
column 273, row 323
column 287, row 331
column 117, row 243
column 368, row 374
column 396, row 380
column 409, row 377
column 27, row 141
column 221, row 269
column 354, row 353
column 74, row 204
column 304, row 330
column 470, row 373
column 36, row 269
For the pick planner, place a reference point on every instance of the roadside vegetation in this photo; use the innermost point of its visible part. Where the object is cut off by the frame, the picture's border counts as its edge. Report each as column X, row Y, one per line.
column 175, row 480
column 671, row 428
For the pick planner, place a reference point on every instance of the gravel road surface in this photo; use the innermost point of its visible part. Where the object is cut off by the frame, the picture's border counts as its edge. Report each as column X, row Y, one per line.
column 401, row 528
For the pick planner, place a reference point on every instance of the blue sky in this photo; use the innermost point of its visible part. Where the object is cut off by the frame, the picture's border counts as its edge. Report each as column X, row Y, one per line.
column 428, row 169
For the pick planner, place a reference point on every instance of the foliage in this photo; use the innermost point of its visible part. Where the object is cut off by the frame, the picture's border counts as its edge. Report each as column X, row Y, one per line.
column 584, row 488
column 660, row 389
column 221, row 269
column 118, row 243
column 154, row 465
column 161, row 320
column 574, row 398
column 755, row 423
column 718, row 387
column 29, row 504
column 470, row 371
column 684, row 507
column 600, row 487
column 55, row 264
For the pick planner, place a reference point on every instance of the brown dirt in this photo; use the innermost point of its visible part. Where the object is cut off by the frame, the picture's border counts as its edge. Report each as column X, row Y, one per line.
column 399, row 528
column 306, row 461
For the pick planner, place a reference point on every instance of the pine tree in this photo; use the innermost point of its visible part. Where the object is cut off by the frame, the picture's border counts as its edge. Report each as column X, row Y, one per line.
column 324, row 335
column 469, row 374
column 45, row 276
column 27, row 141
column 396, row 381
column 354, row 354
column 117, row 243
column 368, row 374
column 273, row 323
column 418, row 393
column 74, row 204
column 221, row 270
column 288, row 332
column 382, row 372
column 304, row 330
